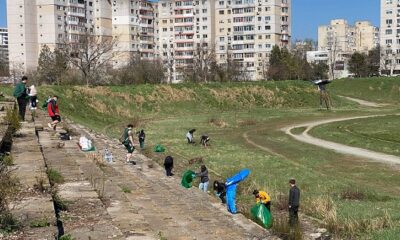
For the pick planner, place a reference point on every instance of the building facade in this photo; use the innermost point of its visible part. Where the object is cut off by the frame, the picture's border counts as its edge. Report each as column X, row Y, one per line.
column 184, row 27
column 247, row 30
column 35, row 23
column 3, row 44
column 341, row 40
column 390, row 37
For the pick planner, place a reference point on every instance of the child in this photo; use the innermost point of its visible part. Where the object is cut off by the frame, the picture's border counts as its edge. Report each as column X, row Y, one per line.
column 220, row 190
column 204, row 140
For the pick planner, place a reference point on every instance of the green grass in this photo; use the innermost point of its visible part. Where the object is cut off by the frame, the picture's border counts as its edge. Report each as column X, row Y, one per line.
column 126, row 189
column 228, row 113
column 54, row 176
column 66, row 237
column 39, row 223
column 378, row 134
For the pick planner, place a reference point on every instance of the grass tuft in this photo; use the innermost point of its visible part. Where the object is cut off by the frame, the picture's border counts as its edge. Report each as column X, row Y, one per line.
column 39, row 223
column 55, row 176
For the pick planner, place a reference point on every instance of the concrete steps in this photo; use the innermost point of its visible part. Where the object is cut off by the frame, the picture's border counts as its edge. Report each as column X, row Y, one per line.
column 34, row 206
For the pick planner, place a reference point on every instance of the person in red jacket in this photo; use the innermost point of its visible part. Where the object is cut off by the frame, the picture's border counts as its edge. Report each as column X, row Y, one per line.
column 52, row 109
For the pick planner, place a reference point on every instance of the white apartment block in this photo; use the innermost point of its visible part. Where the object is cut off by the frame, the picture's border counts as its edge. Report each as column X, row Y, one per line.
column 4, row 44
column 390, row 37
column 341, row 40
column 247, row 30
column 134, row 25
column 34, row 23
column 183, row 26
column 345, row 38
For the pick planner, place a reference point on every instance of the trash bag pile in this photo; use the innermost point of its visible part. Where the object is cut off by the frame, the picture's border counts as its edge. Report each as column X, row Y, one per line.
column 187, row 178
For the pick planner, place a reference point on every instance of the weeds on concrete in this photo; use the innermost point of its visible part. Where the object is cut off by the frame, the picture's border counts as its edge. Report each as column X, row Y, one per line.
column 12, row 118
column 59, row 203
column 161, row 236
column 66, row 237
column 126, row 189
column 39, row 223
column 9, row 190
column 39, row 186
column 54, row 176
column 7, row 160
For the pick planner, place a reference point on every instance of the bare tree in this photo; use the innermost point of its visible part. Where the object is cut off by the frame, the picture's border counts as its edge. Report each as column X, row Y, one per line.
column 332, row 58
column 91, row 54
column 387, row 61
column 204, row 67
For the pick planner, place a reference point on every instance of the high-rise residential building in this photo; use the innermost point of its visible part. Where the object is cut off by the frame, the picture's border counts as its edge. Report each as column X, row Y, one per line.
column 341, row 40
column 390, row 37
column 343, row 37
column 184, row 26
column 134, row 24
column 35, row 23
column 247, row 30
column 3, row 44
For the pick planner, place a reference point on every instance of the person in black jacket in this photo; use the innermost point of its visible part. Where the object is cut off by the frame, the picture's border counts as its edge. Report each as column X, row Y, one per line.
column 169, row 165
column 294, row 202
column 142, row 137
column 220, row 190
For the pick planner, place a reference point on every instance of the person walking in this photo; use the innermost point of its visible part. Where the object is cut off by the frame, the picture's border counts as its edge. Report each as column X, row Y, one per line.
column 127, row 141
column 52, row 109
column 263, row 198
column 294, row 202
column 33, row 100
column 169, row 165
column 20, row 93
column 141, row 136
column 204, row 180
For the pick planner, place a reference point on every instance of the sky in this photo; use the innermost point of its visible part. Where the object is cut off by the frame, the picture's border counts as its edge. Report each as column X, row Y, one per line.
column 307, row 15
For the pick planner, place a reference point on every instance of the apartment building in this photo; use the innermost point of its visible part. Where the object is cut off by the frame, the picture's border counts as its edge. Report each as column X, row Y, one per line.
column 390, row 37
column 346, row 38
column 35, row 23
column 3, row 44
column 247, row 30
column 134, row 24
column 341, row 40
column 183, row 27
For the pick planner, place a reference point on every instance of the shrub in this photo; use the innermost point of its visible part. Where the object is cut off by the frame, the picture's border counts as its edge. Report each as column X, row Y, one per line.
column 12, row 118
column 54, row 176
column 7, row 160
column 39, row 223
column 282, row 228
column 66, row 237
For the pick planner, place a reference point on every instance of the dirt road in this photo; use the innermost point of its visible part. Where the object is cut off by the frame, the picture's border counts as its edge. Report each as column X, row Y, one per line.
column 337, row 147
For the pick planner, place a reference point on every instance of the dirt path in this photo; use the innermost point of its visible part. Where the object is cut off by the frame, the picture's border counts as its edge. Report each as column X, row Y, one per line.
column 337, row 147
column 365, row 103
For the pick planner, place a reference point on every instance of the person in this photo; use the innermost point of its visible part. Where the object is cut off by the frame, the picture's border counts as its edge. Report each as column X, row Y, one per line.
column 204, row 180
column 294, row 202
column 189, row 136
column 52, row 109
column 20, row 93
column 323, row 94
column 220, row 190
column 169, row 165
column 141, row 136
column 204, row 140
column 129, row 143
column 263, row 198
column 33, row 100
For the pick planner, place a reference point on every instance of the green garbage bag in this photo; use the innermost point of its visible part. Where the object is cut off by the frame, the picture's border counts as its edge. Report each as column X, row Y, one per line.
column 262, row 215
column 187, row 179
column 159, row 148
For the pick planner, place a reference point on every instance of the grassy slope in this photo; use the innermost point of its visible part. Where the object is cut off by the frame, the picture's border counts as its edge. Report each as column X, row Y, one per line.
column 258, row 109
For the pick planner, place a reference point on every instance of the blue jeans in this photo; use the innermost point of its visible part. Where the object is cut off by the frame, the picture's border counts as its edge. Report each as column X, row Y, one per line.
column 203, row 186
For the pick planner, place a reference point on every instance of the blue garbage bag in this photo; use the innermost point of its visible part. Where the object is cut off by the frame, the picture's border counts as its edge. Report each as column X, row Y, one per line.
column 231, row 185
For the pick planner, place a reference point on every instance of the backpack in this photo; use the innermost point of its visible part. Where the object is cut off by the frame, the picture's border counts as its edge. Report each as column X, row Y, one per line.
column 124, row 137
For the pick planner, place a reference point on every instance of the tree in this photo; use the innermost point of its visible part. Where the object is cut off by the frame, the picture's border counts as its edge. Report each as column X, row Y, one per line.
column 4, row 68
column 51, row 65
column 204, row 66
column 373, row 61
column 91, row 55
column 358, row 65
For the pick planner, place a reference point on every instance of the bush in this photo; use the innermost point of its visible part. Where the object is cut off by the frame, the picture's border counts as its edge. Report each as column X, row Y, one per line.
column 39, row 223
column 9, row 190
column 54, row 176
column 12, row 118
column 66, row 237
column 7, row 160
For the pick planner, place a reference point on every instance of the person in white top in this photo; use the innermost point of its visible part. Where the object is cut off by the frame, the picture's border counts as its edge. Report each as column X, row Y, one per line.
column 33, row 100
